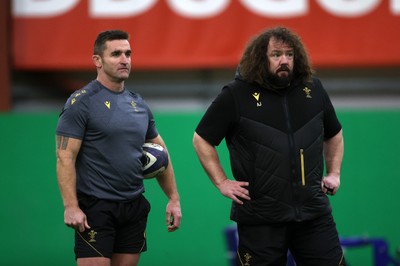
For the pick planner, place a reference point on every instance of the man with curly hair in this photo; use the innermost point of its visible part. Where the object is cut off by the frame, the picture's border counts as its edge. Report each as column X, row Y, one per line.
column 280, row 129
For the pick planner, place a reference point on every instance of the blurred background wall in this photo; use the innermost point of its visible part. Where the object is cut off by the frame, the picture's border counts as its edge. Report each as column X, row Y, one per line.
column 183, row 53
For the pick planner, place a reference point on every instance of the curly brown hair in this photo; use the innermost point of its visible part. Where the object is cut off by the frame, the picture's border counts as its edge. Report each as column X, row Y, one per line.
column 254, row 62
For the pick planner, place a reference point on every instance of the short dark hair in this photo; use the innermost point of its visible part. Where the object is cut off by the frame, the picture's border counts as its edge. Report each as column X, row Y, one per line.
column 108, row 35
column 254, row 62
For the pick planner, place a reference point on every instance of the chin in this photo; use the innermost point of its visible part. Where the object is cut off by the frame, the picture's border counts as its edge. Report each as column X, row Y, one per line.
column 123, row 77
column 283, row 74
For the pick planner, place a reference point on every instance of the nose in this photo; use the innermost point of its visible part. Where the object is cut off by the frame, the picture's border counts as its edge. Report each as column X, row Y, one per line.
column 125, row 59
column 284, row 60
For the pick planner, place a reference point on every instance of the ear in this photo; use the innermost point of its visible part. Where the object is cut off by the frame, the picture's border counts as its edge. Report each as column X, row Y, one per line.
column 97, row 61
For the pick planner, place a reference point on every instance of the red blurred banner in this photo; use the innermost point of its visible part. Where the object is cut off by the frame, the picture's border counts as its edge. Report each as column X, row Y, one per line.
column 54, row 34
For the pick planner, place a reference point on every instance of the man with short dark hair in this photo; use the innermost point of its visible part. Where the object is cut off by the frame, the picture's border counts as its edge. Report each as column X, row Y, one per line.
column 100, row 134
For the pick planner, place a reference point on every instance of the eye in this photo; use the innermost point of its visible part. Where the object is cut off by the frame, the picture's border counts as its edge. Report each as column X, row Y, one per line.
column 275, row 55
column 115, row 53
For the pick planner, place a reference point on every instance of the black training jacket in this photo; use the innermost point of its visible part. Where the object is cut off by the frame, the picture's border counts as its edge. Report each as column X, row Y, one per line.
column 276, row 143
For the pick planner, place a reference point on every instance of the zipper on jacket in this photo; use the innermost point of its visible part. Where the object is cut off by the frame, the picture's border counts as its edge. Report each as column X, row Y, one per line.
column 293, row 156
column 291, row 138
column 303, row 177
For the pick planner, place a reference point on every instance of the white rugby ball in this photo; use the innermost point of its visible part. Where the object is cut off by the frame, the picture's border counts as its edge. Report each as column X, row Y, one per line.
column 154, row 160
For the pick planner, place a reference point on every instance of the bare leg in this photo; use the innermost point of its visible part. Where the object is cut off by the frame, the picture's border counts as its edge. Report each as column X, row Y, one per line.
column 97, row 261
column 125, row 259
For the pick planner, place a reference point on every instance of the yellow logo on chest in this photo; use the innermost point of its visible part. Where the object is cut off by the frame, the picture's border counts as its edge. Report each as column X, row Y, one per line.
column 256, row 96
column 308, row 92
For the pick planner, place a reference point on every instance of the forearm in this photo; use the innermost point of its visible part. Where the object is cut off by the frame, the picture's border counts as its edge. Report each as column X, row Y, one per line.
column 209, row 159
column 333, row 152
column 167, row 183
column 73, row 215
column 67, row 150
column 166, row 180
column 66, row 176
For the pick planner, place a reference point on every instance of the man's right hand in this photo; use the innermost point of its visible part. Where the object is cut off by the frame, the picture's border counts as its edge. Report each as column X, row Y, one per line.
column 234, row 190
column 75, row 218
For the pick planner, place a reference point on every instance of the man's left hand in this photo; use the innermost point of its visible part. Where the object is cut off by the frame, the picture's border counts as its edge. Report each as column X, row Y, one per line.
column 173, row 215
column 330, row 184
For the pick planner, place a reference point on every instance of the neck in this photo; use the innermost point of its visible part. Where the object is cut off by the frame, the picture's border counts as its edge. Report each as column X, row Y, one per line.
column 273, row 86
column 111, row 85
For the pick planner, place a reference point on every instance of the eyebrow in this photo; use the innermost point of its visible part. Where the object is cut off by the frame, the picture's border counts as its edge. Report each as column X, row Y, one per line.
column 280, row 50
column 117, row 51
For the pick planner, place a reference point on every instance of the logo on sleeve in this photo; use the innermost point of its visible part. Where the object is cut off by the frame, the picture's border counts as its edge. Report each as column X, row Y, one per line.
column 134, row 106
column 73, row 100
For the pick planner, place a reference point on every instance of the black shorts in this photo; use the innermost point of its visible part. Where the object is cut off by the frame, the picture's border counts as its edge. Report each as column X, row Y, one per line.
column 115, row 227
column 311, row 243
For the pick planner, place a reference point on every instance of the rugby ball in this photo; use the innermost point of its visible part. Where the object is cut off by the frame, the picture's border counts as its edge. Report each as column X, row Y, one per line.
column 154, row 160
